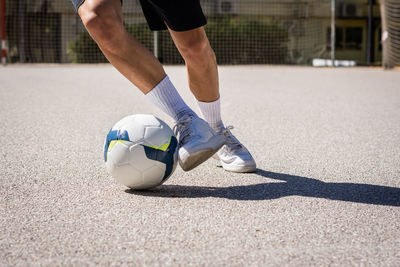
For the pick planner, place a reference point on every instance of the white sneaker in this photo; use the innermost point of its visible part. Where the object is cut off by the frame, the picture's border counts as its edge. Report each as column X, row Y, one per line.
column 233, row 156
column 197, row 141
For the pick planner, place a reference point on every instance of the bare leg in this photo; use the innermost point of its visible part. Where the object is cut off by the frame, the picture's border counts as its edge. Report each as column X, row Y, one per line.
column 203, row 81
column 197, row 140
column 200, row 62
column 103, row 20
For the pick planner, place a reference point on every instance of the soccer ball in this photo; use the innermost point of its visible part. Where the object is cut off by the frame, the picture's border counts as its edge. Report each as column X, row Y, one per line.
column 141, row 151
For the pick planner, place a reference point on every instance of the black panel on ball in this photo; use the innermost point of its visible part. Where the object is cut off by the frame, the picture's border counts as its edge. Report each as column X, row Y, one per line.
column 166, row 156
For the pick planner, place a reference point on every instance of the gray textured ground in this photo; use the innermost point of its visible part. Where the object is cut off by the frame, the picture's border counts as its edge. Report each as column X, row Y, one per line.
column 327, row 191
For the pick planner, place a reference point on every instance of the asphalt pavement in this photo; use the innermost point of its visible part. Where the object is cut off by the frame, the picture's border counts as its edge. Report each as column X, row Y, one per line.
column 326, row 191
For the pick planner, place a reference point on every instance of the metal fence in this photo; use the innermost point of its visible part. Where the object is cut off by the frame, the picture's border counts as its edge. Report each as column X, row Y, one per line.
column 240, row 31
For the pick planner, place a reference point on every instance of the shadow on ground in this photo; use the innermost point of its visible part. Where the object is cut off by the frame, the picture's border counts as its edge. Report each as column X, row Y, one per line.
column 291, row 186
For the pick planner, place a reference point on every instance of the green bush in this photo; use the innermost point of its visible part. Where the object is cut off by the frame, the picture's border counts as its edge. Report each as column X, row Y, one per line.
column 85, row 50
column 247, row 41
column 235, row 40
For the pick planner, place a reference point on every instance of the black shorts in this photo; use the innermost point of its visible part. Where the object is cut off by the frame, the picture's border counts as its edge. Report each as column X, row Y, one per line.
column 179, row 15
column 77, row 3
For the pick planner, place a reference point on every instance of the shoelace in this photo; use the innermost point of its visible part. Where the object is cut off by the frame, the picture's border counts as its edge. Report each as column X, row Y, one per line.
column 183, row 129
column 231, row 143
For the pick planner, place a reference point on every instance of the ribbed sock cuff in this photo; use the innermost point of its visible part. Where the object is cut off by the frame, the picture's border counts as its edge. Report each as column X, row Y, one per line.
column 211, row 112
column 166, row 97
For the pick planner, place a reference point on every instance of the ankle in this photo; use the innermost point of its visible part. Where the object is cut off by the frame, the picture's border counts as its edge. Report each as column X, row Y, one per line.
column 185, row 112
column 218, row 127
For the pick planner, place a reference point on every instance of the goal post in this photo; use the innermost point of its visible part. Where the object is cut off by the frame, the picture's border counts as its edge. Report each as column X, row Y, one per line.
column 390, row 13
column 3, row 32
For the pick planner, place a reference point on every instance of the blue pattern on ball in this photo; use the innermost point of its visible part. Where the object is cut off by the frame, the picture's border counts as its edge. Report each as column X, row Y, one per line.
column 114, row 135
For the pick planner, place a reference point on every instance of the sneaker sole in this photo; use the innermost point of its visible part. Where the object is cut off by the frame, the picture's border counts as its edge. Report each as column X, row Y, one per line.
column 238, row 168
column 195, row 159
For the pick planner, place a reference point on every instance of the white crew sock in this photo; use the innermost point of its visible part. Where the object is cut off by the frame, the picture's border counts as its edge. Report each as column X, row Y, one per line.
column 212, row 114
column 166, row 97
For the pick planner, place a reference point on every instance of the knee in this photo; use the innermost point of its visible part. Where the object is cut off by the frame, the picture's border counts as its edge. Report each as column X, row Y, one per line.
column 198, row 50
column 101, row 20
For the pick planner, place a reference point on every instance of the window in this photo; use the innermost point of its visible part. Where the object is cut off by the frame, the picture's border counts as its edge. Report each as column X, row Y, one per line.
column 354, row 38
column 347, row 38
